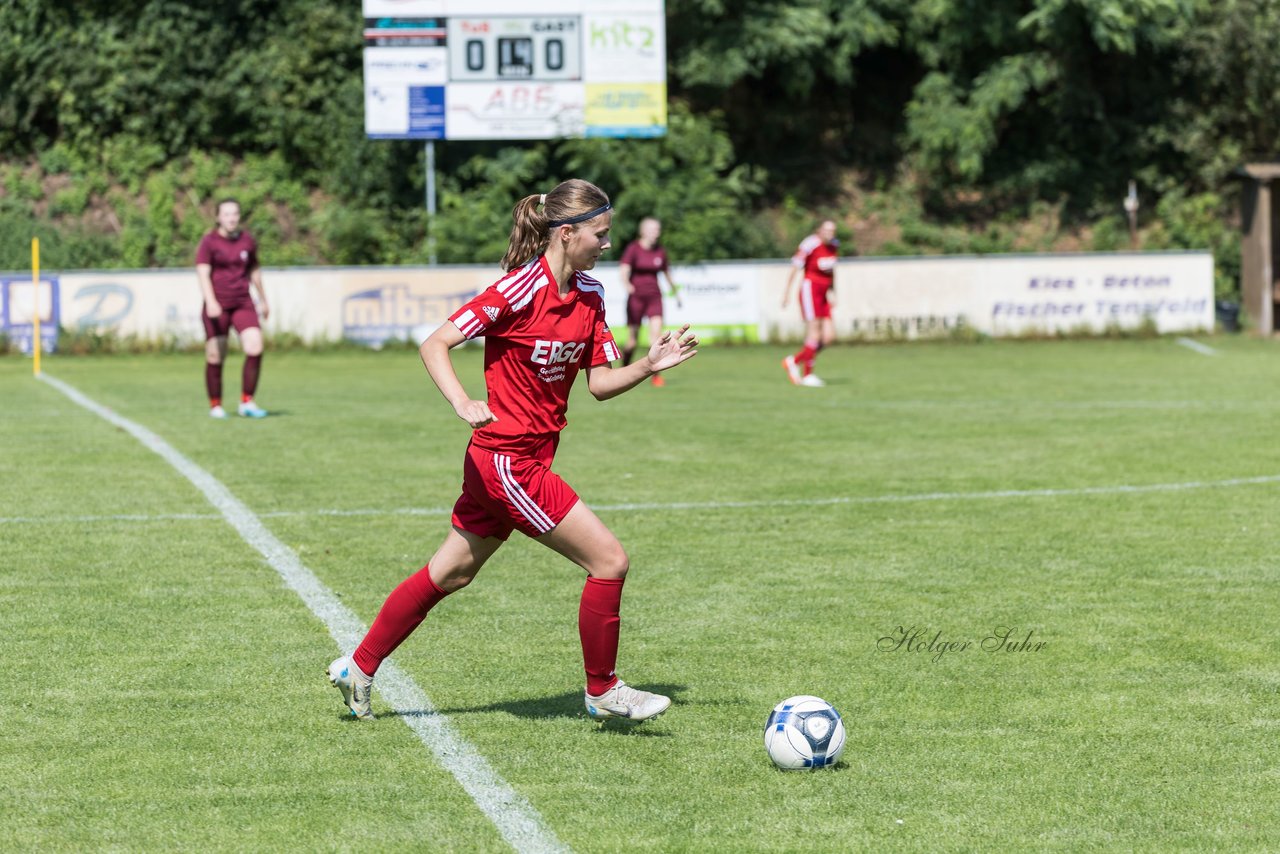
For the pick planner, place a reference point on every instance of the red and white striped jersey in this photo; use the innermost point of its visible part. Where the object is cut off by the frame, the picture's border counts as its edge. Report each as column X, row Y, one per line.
column 818, row 259
column 535, row 343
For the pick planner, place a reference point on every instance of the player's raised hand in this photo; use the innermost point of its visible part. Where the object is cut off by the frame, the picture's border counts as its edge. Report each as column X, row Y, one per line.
column 672, row 348
column 476, row 413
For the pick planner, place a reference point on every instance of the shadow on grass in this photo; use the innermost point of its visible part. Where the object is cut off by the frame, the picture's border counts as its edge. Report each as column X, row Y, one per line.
column 568, row 705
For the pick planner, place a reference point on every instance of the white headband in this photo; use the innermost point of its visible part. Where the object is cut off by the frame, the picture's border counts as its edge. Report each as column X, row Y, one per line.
column 542, row 200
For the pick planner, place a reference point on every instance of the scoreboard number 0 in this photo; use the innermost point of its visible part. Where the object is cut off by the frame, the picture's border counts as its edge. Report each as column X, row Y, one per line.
column 515, row 48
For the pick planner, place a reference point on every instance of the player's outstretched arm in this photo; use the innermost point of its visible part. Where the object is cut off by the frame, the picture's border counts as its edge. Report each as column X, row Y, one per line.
column 255, row 279
column 674, row 290
column 435, row 357
column 786, row 290
column 671, row 349
column 624, row 273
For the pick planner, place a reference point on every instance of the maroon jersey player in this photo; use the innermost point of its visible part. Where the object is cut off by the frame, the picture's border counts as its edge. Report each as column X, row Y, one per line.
column 226, row 266
column 543, row 323
column 641, row 262
column 815, row 263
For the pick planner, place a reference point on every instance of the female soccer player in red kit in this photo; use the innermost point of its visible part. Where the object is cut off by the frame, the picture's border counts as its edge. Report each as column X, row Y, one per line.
column 816, row 259
column 542, row 322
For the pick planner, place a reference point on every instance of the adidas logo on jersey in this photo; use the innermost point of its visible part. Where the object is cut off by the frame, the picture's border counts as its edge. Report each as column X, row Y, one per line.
column 492, row 311
column 556, row 352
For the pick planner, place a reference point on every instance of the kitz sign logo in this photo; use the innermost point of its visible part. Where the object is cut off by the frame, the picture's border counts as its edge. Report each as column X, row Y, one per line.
column 557, row 352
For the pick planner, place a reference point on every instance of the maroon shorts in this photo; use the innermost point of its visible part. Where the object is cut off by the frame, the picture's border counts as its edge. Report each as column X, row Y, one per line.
column 640, row 306
column 242, row 315
column 512, row 489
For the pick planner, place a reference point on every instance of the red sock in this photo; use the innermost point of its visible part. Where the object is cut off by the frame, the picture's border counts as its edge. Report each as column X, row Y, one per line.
column 598, row 623
column 404, row 609
column 805, row 356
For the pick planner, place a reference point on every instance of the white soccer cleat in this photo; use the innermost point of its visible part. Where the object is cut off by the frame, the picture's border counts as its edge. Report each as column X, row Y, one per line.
column 217, row 412
column 249, row 409
column 623, row 701
column 356, row 688
column 793, row 370
column 812, row 381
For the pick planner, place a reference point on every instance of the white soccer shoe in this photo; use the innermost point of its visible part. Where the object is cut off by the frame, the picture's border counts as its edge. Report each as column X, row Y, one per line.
column 813, row 381
column 793, row 370
column 623, row 701
column 249, row 409
column 356, row 688
column 218, row 412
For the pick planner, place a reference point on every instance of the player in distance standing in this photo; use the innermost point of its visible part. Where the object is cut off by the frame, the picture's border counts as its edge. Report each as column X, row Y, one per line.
column 815, row 261
column 226, row 265
column 542, row 322
column 641, row 262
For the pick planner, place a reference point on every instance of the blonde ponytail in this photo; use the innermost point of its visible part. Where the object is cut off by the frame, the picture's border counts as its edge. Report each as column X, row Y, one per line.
column 567, row 204
column 529, row 234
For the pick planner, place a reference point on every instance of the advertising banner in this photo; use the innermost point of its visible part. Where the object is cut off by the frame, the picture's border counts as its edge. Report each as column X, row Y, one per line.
column 1025, row 295
column 624, row 48
column 514, row 110
column 724, row 301
column 404, row 92
column 622, row 109
column 20, row 301
column 718, row 301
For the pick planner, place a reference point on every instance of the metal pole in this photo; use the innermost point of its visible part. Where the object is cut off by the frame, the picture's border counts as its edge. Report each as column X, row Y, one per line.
column 431, row 201
column 36, row 346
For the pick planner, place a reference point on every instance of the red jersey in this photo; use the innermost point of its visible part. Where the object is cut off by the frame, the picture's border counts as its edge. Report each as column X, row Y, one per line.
column 818, row 259
column 645, row 265
column 534, row 345
column 231, row 260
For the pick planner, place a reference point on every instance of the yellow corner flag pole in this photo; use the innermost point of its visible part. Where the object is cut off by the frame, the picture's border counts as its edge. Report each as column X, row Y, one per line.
column 35, row 305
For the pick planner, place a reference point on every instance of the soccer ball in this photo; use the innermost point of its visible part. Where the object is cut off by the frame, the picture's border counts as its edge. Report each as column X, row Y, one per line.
column 804, row 732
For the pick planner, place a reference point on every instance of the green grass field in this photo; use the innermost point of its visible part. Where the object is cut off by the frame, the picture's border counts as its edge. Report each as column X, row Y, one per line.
column 167, row 690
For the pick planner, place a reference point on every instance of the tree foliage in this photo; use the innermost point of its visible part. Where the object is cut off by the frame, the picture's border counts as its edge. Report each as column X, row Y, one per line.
column 121, row 121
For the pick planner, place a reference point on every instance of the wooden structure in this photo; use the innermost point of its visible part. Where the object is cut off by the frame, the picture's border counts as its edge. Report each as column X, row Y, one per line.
column 1259, row 295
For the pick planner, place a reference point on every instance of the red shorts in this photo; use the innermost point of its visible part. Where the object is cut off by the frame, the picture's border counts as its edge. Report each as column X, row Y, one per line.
column 813, row 300
column 512, row 489
column 640, row 306
column 242, row 315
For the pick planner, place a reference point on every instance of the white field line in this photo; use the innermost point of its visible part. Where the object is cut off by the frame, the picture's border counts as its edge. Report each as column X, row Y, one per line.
column 1116, row 489
column 515, row 818
column 1202, row 349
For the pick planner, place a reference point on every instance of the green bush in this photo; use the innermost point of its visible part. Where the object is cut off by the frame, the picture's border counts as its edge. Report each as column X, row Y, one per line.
column 1200, row 221
column 70, row 201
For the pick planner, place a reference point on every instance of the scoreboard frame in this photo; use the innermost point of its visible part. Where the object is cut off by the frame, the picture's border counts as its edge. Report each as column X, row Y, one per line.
column 488, row 69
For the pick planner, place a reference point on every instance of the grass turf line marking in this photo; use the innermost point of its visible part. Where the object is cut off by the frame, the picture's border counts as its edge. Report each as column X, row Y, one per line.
column 514, row 817
column 1118, row 489
column 1202, row 349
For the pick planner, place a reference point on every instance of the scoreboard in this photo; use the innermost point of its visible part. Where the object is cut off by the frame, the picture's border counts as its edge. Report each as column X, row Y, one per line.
column 488, row 69
column 515, row 49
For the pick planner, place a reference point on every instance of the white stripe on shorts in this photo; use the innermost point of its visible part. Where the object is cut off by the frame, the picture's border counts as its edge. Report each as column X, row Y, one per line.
column 806, row 299
column 535, row 515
